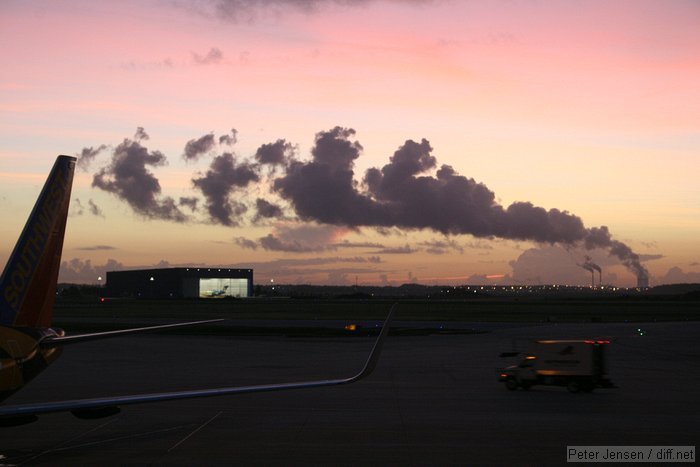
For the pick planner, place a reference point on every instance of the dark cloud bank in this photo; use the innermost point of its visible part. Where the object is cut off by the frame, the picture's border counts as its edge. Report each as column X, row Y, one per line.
column 411, row 192
column 402, row 194
column 250, row 10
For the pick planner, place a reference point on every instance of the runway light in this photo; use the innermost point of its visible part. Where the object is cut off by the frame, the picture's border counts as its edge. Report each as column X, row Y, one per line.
column 351, row 327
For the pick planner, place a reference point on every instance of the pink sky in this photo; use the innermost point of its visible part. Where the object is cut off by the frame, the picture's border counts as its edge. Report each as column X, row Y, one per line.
column 589, row 108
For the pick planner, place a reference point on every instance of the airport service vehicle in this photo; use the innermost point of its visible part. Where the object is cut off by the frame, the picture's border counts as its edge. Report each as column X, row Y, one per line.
column 579, row 365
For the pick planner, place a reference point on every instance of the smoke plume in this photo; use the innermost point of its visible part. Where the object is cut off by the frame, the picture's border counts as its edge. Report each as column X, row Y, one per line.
column 411, row 192
column 215, row 55
column 267, row 210
column 87, row 155
column 190, row 202
column 249, row 10
column 222, row 178
column 128, row 178
column 403, row 194
column 198, row 147
column 276, row 153
column 231, row 139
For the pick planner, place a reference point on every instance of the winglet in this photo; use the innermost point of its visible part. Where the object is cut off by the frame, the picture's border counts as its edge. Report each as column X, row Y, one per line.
column 28, row 283
column 377, row 349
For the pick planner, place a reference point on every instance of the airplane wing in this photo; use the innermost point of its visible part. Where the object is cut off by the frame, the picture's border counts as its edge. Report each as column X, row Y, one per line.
column 105, row 406
column 73, row 339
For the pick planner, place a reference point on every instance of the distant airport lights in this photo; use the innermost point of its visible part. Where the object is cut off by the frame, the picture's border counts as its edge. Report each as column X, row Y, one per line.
column 229, row 270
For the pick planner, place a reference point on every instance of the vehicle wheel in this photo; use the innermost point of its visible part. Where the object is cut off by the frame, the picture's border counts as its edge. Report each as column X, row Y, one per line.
column 511, row 384
column 573, row 386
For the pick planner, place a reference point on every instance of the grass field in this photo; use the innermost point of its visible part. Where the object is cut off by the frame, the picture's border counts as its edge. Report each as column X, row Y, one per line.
column 480, row 310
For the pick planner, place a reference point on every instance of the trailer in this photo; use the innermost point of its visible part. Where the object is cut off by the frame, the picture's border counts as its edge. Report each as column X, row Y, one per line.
column 578, row 365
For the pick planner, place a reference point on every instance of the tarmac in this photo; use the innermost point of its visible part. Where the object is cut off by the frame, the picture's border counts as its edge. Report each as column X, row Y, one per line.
column 432, row 401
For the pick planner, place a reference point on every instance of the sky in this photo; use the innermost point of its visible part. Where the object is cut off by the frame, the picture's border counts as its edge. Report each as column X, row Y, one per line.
column 361, row 142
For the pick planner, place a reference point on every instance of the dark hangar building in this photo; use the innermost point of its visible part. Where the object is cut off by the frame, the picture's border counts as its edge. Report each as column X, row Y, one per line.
column 180, row 283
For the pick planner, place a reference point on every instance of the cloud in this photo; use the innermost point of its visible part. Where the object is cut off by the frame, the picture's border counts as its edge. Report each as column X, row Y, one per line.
column 317, row 261
column 317, row 270
column 676, row 275
column 195, row 148
column 303, row 238
column 215, row 55
column 97, row 248
column 273, row 243
column 128, row 178
column 190, row 202
column 400, row 250
column 277, row 153
column 81, row 271
column 266, row 210
column 478, row 245
column 311, row 233
column 348, row 244
column 548, row 265
column 555, row 264
column 231, row 139
column 166, row 63
column 224, row 176
column 198, row 147
column 490, row 279
column 77, row 208
column 441, row 247
column 245, row 243
column 410, row 192
column 404, row 194
column 250, row 10
column 323, row 189
column 87, row 155
column 141, row 134
column 95, row 210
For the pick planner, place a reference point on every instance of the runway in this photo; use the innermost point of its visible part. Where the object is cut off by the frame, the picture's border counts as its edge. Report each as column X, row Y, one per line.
column 433, row 400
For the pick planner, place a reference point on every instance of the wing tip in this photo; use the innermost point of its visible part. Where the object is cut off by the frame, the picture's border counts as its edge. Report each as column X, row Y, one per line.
column 373, row 358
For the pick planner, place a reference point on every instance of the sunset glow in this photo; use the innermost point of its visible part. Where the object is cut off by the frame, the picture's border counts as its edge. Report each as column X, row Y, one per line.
column 590, row 109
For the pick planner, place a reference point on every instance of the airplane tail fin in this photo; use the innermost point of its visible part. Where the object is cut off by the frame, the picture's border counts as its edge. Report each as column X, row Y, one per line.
column 28, row 283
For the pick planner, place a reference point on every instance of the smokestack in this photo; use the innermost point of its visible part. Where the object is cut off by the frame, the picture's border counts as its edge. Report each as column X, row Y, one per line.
column 596, row 268
column 588, row 266
column 642, row 281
